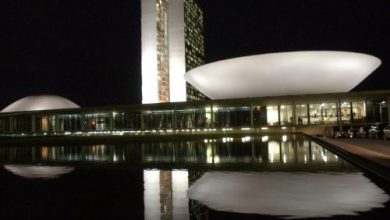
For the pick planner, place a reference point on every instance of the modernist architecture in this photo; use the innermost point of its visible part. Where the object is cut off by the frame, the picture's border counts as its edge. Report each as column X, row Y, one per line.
column 40, row 102
column 263, row 114
column 172, row 44
column 264, row 93
column 281, row 74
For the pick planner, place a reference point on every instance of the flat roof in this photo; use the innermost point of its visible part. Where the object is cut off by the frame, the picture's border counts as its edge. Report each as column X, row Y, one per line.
column 274, row 100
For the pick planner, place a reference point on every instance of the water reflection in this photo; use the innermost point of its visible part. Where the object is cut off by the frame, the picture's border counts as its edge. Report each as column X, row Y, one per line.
column 288, row 195
column 267, row 152
column 34, row 172
column 288, row 176
column 165, row 194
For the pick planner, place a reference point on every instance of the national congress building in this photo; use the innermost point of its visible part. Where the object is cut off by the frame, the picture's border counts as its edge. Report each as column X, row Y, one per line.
column 283, row 92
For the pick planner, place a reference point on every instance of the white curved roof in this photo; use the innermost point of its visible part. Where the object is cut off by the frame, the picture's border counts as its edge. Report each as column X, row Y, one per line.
column 288, row 195
column 285, row 73
column 40, row 102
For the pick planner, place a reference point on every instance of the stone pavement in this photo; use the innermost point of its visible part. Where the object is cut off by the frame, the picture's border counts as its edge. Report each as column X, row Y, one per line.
column 372, row 154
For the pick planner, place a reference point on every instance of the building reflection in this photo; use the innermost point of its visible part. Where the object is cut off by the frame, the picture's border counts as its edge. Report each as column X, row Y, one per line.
column 289, row 195
column 165, row 194
column 38, row 172
column 266, row 152
column 170, row 168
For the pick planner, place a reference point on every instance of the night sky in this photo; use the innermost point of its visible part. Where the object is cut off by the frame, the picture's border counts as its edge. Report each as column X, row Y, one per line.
column 89, row 51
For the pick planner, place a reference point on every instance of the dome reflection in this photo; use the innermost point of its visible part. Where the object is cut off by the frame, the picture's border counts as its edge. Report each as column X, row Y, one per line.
column 288, row 195
column 34, row 172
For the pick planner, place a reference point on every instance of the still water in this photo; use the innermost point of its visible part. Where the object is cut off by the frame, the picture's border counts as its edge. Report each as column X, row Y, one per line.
column 268, row 177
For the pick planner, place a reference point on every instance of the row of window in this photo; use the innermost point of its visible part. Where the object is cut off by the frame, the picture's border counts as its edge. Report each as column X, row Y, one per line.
column 203, row 117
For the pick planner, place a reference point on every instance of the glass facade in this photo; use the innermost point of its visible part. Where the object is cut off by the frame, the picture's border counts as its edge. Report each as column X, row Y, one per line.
column 225, row 117
column 359, row 111
column 221, row 115
column 286, row 115
column 329, row 113
column 302, row 117
column 272, row 115
column 194, row 43
column 345, row 111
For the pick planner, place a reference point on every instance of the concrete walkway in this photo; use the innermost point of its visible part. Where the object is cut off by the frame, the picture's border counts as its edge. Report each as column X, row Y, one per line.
column 373, row 150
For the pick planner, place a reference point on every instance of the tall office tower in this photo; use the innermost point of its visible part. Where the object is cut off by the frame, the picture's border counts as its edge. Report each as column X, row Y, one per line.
column 172, row 43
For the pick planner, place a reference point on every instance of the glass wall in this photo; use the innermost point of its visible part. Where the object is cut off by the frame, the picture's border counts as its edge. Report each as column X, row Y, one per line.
column 329, row 112
column 345, row 110
column 131, row 120
column 22, row 124
column 215, row 114
column 232, row 116
column 98, row 121
column 71, row 122
column 286, row 115
column 301, row 114
column 324, row 113
column 380, row 111
column 158, row 119
column 359, row 111
column 272, row 115
column 194, row 118
column 4, row 125
column 315, row 114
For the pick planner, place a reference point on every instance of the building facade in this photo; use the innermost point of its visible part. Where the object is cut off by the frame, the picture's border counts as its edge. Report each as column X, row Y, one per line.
column 284, row 113
column 172, row 44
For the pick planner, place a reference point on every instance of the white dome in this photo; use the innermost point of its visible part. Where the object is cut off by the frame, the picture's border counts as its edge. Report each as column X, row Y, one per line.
column 287, row 73
column 40, row 102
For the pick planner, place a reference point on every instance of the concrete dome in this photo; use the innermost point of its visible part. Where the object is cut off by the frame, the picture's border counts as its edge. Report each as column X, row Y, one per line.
column 40, row 102
column 286, row 73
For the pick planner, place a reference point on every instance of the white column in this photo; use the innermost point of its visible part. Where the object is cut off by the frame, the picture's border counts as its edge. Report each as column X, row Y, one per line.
column 149, row 51
column 177, row 65
column 179, row 193
column 152, row 194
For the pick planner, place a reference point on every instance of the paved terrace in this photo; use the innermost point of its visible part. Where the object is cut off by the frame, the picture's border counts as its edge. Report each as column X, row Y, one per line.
column 375, row 151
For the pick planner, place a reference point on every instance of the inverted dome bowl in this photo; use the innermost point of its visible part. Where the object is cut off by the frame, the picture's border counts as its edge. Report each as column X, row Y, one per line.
column 288, row 195
column 286, row 73
column 40, row 102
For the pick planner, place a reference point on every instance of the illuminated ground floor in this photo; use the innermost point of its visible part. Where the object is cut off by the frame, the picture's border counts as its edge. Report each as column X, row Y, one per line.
column 286, row 112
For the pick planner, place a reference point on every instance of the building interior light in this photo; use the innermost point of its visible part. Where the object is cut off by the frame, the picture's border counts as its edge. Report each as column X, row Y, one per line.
column 245, row 139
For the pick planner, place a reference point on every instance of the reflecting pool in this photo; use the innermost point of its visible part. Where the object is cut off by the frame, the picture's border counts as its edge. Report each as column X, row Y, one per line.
column 248, row 177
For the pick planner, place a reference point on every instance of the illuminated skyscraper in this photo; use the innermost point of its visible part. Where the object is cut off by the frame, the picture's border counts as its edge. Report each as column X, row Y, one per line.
column 172, row 43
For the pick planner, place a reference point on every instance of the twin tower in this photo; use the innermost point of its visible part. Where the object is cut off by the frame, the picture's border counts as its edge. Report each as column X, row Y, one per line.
column 172, row 44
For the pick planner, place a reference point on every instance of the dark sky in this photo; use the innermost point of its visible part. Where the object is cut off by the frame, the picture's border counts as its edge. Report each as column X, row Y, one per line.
column 89, row 51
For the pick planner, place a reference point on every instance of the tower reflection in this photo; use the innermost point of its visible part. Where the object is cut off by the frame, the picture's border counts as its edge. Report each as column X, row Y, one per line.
column 165, row 194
